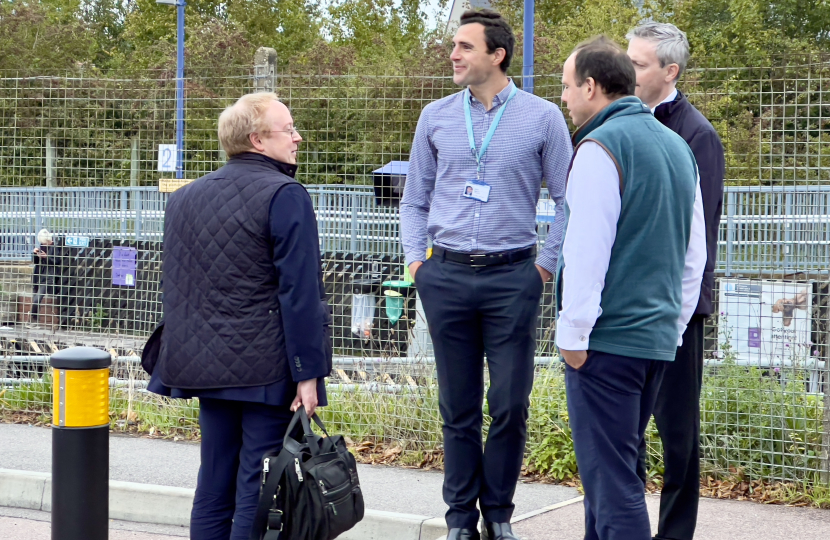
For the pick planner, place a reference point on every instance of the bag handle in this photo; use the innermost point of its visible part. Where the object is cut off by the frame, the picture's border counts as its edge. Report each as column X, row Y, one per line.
column 301, row 416
column 307, row 433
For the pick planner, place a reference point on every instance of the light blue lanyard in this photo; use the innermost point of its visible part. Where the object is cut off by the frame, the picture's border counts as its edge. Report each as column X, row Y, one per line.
column 486, row 142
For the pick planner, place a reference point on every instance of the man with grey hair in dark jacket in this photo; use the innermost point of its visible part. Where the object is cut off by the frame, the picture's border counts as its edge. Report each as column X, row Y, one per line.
column 245, row 317
column 660, row 52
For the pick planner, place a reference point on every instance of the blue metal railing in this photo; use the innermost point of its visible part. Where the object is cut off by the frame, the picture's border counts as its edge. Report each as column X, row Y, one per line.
column 764, row 230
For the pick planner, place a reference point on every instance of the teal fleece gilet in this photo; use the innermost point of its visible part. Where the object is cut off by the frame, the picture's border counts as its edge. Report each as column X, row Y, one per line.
column 643, row 294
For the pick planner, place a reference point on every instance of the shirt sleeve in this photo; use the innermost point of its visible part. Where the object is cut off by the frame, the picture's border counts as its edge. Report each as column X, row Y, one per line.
column 417, row 193
column 556, row 158
column 296, row 255
column 593, row 197
column 695, row 264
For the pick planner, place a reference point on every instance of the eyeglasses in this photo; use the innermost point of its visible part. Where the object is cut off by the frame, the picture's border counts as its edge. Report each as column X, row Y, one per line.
column 291, row 131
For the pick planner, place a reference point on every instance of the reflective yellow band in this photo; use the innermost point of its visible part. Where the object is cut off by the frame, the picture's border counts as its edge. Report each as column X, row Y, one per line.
column 80, row 397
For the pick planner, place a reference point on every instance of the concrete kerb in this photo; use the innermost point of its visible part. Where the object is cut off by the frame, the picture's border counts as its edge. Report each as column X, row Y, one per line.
column 22, row 489
column 145, row 503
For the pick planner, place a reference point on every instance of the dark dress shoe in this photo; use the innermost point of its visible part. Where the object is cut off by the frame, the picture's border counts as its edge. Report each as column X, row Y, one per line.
column 498, row 531
column 463, row 534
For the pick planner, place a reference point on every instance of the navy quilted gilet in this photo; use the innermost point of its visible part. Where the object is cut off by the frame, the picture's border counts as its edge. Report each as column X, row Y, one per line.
column 223, row 326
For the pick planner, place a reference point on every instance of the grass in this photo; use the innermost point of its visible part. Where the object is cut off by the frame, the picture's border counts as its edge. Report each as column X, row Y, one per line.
column 145, row 414
column 754, row 425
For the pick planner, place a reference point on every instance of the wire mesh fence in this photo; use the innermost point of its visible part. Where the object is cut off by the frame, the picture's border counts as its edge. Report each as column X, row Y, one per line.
column 765, row 405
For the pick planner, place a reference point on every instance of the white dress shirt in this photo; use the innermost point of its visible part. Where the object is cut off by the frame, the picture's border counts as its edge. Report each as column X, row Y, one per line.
column 593, row 196
column 668, row 99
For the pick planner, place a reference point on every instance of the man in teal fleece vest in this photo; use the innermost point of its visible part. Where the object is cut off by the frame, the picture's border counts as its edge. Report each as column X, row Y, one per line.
column 632, row 264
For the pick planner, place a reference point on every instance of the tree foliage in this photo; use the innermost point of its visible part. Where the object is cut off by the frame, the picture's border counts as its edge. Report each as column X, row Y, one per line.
column 358, row 72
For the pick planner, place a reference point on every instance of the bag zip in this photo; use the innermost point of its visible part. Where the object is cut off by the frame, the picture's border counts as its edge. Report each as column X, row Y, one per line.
column 265, row 468
column 298, row 470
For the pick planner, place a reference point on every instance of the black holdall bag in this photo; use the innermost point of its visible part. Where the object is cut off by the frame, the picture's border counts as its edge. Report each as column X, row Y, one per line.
column 310, row 490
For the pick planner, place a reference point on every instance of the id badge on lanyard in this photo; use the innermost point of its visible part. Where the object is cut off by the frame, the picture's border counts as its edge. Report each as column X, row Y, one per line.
column 477, row 189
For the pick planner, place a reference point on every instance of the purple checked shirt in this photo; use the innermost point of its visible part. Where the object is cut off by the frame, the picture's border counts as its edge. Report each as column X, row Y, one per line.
column 531, row 143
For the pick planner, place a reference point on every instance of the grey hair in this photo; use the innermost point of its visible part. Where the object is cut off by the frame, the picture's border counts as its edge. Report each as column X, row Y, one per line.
column 672, row 44
column 44, row 236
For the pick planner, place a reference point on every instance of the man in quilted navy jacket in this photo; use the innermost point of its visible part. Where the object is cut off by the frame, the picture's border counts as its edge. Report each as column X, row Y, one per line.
column 245, row 317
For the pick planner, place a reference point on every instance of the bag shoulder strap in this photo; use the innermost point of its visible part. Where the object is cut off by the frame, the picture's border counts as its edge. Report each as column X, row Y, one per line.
column 269, row 492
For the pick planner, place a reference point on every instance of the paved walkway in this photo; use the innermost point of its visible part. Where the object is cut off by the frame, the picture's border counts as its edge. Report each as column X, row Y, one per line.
column 718, row 520
column 386, row 488
column 18, row 524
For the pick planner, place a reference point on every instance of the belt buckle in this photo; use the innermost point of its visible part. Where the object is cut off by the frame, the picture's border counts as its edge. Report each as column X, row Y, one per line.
column 475, row 256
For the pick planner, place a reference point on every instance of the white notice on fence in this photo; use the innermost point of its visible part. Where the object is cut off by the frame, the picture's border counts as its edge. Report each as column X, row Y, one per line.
column 77, row 241
column 167, row 158
column 765, row 322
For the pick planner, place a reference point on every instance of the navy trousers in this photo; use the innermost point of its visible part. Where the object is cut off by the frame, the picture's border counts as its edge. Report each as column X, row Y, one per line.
column 677, row 415
column 235, row 436
column 472, row 311
column 610, row 399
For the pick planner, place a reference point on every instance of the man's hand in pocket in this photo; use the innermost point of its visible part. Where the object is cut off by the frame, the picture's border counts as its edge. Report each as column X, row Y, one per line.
column 575, row 359
column 413, row 268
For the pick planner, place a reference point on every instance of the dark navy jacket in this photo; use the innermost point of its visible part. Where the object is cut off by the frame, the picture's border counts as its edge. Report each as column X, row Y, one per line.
column 681, row 117
column 252, row 261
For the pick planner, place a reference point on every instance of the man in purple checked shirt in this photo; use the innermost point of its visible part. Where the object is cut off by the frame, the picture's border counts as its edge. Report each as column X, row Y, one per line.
column 475, row 174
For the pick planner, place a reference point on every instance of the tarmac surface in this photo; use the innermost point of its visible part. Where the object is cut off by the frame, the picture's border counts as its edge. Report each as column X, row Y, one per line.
column 391, row 489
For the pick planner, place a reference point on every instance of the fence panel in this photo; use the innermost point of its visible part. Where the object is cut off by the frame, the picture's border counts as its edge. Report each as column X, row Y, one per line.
column 765, row 405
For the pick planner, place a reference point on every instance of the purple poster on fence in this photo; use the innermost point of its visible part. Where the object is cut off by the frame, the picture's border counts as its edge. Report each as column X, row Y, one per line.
column 755, row 338
column 123, row 266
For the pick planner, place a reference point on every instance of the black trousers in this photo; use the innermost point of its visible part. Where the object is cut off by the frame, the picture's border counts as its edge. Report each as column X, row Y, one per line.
column 677, row 415
column 610, row 399
column 472, row 312
column 40, row 291
column 235, row 436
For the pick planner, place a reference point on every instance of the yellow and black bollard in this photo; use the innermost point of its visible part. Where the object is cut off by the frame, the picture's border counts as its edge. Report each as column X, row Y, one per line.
column 80, row 444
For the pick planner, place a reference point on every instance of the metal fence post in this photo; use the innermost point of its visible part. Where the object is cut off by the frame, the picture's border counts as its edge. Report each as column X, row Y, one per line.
column 50, row 164
column 134, row 161
column 38, row 211
column 125, row 195
column 730, row 231
column 265, row 69
column 825, row 436
column 80, row 444
column 355, row 202
column 788, row 231
column 139, row 200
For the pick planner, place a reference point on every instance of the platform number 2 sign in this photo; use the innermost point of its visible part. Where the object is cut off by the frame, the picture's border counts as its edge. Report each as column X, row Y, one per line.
column 167, row 158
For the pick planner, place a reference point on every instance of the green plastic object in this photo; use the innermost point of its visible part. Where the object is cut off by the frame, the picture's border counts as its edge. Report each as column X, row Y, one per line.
column 394, row 306
column 397, row 284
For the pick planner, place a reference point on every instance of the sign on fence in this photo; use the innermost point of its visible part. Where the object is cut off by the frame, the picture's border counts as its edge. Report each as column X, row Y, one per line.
column 546, row 210
column 765, row 322
column 169, row 185
column 124, row 266
column 77, row 241
column 167, row 158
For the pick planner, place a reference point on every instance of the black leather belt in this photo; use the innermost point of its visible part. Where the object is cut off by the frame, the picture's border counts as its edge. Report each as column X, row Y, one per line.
column 484, row 259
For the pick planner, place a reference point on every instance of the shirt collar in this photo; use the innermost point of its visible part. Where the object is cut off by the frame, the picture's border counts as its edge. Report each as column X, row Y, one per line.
column 499, row 98
column 668, row 99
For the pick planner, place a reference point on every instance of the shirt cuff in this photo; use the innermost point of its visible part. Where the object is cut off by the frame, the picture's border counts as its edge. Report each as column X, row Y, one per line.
column 415, row 256
column 681, row 329
column 548, row 263
column 572, row 339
